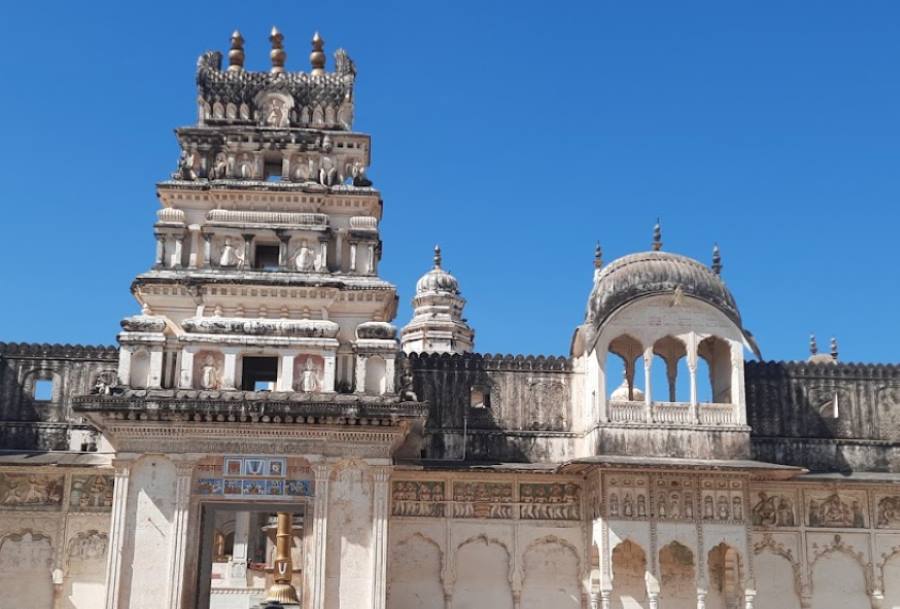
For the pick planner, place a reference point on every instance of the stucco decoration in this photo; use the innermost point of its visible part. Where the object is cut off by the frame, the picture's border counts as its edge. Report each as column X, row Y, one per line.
column 773, row 510
column 31, row 491
column 845, row 510
column 482, row 500
column 417, row 498
column 91, row 493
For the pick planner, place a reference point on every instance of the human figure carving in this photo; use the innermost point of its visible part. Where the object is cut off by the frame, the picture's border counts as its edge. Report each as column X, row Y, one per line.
column 327, row 172
column 305, row 259
column 220, row 167
column 209, row 375
column 309, row 380
column 229, row 256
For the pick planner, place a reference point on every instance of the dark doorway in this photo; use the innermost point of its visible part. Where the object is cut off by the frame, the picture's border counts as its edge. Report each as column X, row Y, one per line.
column 266, row 257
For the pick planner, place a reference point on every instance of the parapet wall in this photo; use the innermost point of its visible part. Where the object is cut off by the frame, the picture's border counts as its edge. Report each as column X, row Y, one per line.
column 27, row 423
column 825, row 416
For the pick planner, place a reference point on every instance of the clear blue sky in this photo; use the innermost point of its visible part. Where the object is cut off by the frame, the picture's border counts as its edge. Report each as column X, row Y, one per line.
column 514, row 134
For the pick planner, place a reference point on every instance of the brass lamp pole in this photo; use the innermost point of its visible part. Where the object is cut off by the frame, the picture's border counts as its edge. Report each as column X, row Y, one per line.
column 282, row 591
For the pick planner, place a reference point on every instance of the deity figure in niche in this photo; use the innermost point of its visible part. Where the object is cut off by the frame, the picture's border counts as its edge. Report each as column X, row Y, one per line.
column 245, row 165
column 276, row 116
column 220, row 166
column 305, row 260
column 327, row 171
column 737, row 508
column 309, row 379
column 209, row 374
column 229, row 257
column 785, row 515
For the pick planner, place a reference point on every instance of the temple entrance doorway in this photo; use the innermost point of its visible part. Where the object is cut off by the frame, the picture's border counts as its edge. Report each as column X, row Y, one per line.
column 239, row 558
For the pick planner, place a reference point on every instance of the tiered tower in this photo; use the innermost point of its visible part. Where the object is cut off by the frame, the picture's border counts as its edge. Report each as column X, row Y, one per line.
column 266, row 271
column 262, row 363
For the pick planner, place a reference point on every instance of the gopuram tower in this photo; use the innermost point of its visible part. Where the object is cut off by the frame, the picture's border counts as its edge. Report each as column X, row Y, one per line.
column 259, row 378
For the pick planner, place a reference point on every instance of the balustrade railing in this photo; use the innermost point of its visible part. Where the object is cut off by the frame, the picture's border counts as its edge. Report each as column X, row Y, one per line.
column 624, row 412
column 672, row 412
column 717, row 414
column 680, row 413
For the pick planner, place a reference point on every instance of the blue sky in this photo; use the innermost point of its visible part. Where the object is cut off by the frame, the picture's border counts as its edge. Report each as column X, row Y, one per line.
column 514, row 134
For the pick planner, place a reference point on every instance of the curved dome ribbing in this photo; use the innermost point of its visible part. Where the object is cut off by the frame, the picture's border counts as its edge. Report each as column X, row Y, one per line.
column 649, row 273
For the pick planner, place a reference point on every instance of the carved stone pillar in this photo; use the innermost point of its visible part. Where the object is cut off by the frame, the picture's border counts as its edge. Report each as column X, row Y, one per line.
column 117, row 532
column 284, row 245
column 360, row 373
column 389, row 373
column 370, row 259
column 184, row 472
column 322, row 265
column 124, row 366
column 160, row 250
column 239, row 556
column 207, row 251
column 653, row 600
column 229, row 371
column 352, row 256
column 749, row 599
column 701, row 599
column 320, row 530
column 154, row 379
column 286, row 373
column 328, row 373
column 248, row 250
column 179, row 252
column 606, row 599
column 186, row 378
column 648, row 385
column 379, row 536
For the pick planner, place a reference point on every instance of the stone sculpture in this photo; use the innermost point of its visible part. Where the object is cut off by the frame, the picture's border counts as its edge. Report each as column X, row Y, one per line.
column 209, row 374
column 229, row 257
column 309, row 380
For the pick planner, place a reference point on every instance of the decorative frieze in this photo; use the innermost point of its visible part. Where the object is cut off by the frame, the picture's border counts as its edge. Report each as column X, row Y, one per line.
column 253, row 478
column 31, row 491
column 482, row 500
column 417, row 498
column 722, row 500
column 836, row 510
column 627, row 497
column 549, row 501
column 774, row 509
column 887, row 512
column 91, row 493
column 674, row 498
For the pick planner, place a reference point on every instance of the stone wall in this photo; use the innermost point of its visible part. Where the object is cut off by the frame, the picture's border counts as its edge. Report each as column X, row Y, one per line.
column 824, row 416
column 54, row 528
column 496, row 407
column 30, row 424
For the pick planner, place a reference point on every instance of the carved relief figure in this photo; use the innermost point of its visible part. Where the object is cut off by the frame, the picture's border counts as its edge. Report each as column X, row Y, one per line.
column 835, row 512
column 765, row 512
column 549, row 501
column 309, row 380
column 220, row 166
column 327, row 172
column 411, row 498
column 245, row 165
column 91, row 492
column 613, row 504
column 275, row 112
column 482, row 500
column 305, row 259
column 889, row 512
column 30, row 490
column 229, row 256
column 209, row 374
column 90, row 545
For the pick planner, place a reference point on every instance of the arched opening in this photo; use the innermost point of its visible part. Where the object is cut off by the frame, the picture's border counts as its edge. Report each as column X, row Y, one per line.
column 551, row 577
column 669, row 371
column 678, row 588
column 838, row 582
column 415, row 568
column 779, row 575
column 724, row 581
column 482, row 578
column 716, row 353
column 629, row 567
column 375, row 375
column 620, row 371
column 140, row 369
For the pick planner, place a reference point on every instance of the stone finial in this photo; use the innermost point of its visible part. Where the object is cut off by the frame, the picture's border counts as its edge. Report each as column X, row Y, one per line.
column 317, row 57
column 834, row 349
column 437, row 256
column 813, row 345
column 657, row 236
column 277, row 53
column 716, row 260
column 236, row 53
column 598, row 256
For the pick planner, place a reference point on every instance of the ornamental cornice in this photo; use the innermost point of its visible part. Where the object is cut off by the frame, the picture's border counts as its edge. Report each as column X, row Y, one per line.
column 58, row 351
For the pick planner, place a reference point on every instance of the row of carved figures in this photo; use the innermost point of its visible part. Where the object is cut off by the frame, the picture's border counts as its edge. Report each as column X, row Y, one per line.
column 277, row 113
column 674, row 507
column 324, row 170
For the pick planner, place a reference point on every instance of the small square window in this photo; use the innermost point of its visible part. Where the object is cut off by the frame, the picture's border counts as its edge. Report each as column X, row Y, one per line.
column 266, row 257
column 43, row 390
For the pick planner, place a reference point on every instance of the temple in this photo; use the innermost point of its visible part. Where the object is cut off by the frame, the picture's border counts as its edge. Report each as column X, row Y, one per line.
column 263, row 435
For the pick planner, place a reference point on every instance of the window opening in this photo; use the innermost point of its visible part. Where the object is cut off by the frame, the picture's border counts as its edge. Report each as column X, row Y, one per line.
column 43, row 390
column 259, row 373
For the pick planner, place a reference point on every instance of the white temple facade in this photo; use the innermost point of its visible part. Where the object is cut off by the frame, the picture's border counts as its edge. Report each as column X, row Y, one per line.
column 262, row 435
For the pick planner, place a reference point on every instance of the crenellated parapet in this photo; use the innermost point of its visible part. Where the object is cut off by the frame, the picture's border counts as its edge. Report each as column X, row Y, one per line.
column 55, row 350
column 488, row 361
column 825, row 415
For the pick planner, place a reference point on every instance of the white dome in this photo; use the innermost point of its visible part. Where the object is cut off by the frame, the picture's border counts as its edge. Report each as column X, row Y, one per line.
column 620, row 394
column 437, row 279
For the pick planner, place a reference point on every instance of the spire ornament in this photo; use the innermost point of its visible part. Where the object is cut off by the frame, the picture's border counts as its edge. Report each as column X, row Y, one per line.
column 236, row 53
column 657, row 236
column 437, row 256
column 834, row 349
column 813, row 345
column 598, row 256
column 317, row 57
column 716, row 260
column 277, row 54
